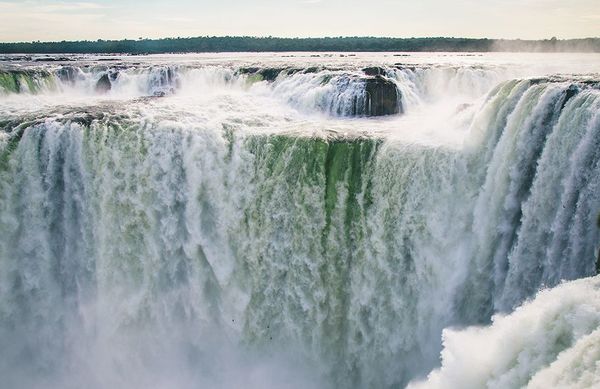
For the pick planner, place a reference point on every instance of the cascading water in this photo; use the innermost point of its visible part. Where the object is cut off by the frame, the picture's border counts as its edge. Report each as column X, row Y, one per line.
column 232, row 235
column 337, row 92
column 551, row 342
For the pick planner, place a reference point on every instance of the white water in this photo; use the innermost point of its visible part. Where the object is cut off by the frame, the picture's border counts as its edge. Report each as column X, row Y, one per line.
column 243, row 233
column 329, row 91
column 550, row 342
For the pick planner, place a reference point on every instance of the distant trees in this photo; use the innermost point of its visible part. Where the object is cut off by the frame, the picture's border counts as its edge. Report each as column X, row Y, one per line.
column 258, row 44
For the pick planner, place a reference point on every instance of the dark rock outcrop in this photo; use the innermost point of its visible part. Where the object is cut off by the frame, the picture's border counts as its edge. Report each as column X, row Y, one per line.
column 53, row 59
column 250, row 70
column 402, row 66
column 265, row 74
column 103, row 85
column 569, row 93
column 312, row 69
column 374, row 71
column 382, row 97
column 270, row 74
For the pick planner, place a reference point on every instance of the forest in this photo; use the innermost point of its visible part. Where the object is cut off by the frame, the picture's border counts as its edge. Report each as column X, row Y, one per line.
column 274, row 44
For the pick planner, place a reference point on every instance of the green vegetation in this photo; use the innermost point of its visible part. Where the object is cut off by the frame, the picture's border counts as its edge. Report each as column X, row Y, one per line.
column 15, row 81
column 258, row 44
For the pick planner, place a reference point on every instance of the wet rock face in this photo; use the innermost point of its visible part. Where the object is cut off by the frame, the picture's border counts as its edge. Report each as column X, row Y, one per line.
column 382, row 97
column 67, row 74
column 265, row 74
column 374, row 71
column 270, row 74
column 103, row 85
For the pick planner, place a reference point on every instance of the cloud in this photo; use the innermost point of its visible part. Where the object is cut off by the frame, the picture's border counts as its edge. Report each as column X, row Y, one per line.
column 6, row 5
column 181, row 19
column 30, row 20
column 62, row 7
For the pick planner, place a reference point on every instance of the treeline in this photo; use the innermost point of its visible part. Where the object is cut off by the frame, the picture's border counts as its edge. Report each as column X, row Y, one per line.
column 257, row 44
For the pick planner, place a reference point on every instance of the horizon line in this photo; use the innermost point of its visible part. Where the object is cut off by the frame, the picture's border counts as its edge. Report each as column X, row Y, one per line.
column 300, row 38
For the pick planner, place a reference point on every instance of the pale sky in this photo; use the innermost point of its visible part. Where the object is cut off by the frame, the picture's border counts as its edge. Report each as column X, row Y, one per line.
column 26, row 20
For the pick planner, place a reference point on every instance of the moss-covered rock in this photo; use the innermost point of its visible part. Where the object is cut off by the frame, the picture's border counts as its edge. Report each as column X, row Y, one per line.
column 261, row 74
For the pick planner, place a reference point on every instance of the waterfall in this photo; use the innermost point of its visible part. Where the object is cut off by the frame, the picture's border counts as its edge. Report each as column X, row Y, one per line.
column 331, row 91
column 132, row 236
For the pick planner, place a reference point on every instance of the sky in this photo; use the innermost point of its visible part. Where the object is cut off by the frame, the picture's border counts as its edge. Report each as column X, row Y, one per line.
column 51, row 20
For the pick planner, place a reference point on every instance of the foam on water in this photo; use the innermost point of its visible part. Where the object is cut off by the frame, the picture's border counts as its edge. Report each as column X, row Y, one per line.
column 550, row 342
